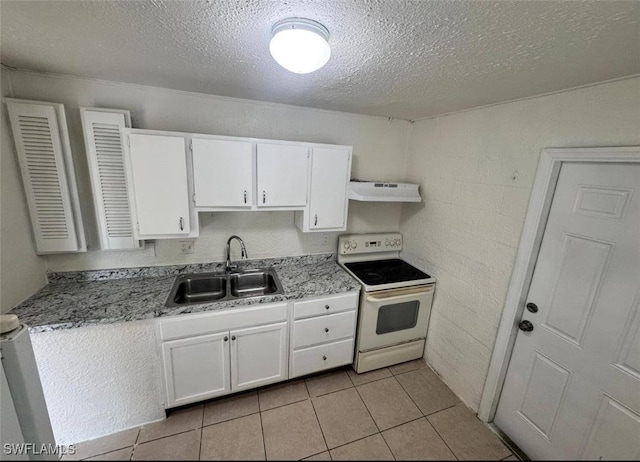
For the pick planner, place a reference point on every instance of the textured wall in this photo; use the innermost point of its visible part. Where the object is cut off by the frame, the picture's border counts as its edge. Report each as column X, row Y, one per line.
column 379, row 147
column 99, row 379
column 22, row 271
column 476, row 171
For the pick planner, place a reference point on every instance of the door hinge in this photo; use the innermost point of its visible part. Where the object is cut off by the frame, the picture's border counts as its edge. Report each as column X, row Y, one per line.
column 194, row 198
column 191, row 146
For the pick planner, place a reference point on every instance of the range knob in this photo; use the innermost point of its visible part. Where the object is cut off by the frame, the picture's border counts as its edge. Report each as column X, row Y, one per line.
column 398, row 241
column 386, row 243
column 354, row 245
column 346, row 245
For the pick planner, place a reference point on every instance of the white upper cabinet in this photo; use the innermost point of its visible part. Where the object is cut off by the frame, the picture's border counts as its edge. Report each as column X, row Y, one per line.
column 223, row 173
column 44, row 154
column 282, row 175
column 330, row 170
column 328, row 201
column 159, row 186
column 103, row 139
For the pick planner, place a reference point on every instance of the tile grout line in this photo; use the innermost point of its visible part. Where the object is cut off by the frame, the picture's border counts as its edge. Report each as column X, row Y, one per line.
column 368, row 411
column 440, row 410
column 439, row 435
column 264, row 443
column 422, row 416
column 201, row 430
column 432, row 426
column 232, row 419
column 416, row 404
column 317, row 420
column 320, row 426
column 135, row 443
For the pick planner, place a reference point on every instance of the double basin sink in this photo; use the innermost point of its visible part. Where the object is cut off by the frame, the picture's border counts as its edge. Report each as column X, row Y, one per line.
column 190, row 289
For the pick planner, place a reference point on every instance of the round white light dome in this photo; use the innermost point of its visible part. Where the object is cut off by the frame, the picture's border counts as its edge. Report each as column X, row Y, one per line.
column 300, row 45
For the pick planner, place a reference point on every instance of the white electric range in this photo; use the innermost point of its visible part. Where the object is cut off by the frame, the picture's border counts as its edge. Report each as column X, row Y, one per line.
column 395, row 301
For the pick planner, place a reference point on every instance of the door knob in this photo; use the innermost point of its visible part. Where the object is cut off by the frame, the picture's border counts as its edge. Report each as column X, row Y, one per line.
column 532, row 307
column 525, row 326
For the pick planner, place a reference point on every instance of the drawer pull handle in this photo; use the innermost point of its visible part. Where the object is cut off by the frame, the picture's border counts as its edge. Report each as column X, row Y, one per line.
column 324, row 358
column 327, row 307
column 226, row 339
column 326, row 329
column 233, row 337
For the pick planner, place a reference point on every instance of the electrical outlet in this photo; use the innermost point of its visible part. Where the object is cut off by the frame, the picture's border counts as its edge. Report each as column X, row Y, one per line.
column 186, row 247
column 324, row 240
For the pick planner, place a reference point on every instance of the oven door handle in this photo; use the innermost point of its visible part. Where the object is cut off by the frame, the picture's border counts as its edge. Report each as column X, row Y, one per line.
column 400, row 293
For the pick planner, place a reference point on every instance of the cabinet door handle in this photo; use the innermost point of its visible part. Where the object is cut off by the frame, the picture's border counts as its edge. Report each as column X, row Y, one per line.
column 315, row 223
column 326, row 329
column 226, row 339
column 324, row 358
column 264, row 197
column 326, row 307
column 181, row 224
column 233, row 337
column 245, row 196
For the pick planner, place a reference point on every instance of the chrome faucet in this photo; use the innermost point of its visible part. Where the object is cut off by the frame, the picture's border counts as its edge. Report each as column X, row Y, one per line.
column 243, row 249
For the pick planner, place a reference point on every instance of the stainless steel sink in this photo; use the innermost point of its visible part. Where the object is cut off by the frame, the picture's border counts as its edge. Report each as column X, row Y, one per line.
column 190, row 289
column 253, row 284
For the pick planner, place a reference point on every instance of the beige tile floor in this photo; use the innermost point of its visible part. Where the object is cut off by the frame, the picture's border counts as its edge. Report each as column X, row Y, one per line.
column 401, row 412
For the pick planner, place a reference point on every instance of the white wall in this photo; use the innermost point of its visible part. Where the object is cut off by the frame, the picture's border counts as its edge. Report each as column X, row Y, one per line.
column 22, row 272
column 99, row 379
column 379, row 147
column 476, row 171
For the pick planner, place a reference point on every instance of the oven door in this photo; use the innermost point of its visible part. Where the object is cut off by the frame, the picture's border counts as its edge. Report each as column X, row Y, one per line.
column 393, row 316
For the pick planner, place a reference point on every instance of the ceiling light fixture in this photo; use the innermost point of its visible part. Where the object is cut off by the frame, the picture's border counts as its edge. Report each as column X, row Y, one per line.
column 300, row 45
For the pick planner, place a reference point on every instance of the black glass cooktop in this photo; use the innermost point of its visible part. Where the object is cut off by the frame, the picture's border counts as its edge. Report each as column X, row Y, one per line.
column 378, row 272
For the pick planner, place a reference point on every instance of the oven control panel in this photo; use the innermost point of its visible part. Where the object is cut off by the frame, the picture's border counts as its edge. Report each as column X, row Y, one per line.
column 349, row 244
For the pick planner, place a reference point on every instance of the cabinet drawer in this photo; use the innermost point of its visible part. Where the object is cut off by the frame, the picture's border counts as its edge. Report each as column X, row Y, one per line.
column 322, row 329
column 325, row 305
column 189, row 325
column 321, row 357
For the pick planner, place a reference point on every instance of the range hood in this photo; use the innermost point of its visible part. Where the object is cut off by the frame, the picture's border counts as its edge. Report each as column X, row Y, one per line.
column 378, row 191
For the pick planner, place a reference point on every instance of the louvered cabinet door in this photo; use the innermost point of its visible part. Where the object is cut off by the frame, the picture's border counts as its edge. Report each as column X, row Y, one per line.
column 105, row 155
column 39, row 146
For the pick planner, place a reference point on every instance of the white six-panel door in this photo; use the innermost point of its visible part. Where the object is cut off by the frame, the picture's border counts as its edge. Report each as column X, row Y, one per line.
column 572, row 389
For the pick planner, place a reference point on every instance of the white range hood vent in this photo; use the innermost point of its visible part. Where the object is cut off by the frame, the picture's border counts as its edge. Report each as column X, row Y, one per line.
column 377, row 191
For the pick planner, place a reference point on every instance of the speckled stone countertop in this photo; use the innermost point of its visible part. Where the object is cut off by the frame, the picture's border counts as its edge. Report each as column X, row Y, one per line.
column 77, row 299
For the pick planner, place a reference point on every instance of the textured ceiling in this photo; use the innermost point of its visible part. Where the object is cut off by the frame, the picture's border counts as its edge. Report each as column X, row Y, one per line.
column 406, row 59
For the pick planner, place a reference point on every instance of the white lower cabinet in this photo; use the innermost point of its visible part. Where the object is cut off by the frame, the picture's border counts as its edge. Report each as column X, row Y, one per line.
column 199, row 364
column 211, row 354
column 196, row 368
column 323, row 333
column 258, row 356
